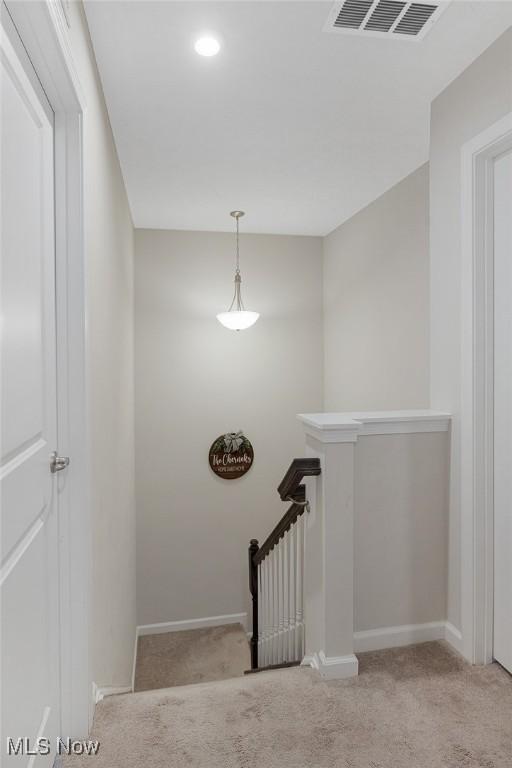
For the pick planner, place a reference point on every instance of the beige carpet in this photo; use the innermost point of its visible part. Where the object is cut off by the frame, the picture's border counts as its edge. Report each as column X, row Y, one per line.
column 419, row 707
column 193, row 656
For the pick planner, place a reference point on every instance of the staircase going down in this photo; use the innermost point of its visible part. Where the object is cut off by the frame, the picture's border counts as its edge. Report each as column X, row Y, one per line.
column 276, row 577
column 188, row 681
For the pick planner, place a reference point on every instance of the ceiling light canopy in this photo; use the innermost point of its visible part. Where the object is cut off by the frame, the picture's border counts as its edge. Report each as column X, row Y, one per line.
column 207, row 46
column 237, row 318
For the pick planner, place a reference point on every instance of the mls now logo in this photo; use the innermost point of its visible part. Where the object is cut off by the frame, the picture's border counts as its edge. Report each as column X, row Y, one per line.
column 42, row 746
column 74, row 747
column 22, row 746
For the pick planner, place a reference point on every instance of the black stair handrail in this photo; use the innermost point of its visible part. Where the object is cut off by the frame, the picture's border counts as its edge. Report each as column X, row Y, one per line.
column 288, row 519
column 290, row 489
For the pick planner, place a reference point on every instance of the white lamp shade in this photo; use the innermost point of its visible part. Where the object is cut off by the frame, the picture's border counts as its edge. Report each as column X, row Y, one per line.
column 237, row 320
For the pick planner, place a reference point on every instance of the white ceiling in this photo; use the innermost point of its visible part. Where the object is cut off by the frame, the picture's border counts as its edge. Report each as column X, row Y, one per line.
column 299, row 127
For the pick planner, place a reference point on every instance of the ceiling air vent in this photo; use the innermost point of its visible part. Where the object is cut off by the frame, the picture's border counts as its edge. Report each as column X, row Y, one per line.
column 352, row 14
column 398, row 19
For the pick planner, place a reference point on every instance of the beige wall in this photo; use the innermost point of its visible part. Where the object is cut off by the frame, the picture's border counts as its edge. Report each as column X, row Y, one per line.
column 196, row 380
column 474, row 101
column 401, row 525
column 109, row 299
column 376, row 313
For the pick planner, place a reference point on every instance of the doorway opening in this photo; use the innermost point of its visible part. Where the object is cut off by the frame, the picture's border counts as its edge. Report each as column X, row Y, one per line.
column 479, row 412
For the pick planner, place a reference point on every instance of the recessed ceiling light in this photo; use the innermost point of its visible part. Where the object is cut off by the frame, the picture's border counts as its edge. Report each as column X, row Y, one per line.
column 207, row 46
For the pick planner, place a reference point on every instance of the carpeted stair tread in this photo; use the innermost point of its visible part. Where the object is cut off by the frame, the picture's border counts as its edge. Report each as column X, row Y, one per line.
column 191, row 656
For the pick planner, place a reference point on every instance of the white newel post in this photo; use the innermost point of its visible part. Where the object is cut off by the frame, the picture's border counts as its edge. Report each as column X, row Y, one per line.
column 329, row 554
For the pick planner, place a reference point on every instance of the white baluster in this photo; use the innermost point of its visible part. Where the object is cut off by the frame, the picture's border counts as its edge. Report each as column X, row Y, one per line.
column 268, row 604
column 279, row 604
column 279, row 600
column 284, row 606
column 271, row 606
column 260, row 608
column 298, row 589
column 270, row 593
column 286, row 598
column 275, row 612
column 292, row 593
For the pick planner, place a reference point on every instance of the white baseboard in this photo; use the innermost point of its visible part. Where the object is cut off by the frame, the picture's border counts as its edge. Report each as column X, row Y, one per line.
column 178, row 626
column 134, row 665
column 339, row 667
column 332, row 667
column 395, row 637
column 453, row 637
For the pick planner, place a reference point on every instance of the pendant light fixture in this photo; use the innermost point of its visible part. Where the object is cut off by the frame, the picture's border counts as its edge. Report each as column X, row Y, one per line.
column 237, row 318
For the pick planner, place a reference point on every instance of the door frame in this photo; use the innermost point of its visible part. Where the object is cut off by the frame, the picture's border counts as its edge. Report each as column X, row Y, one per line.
column 43, row 30
column 477, row 390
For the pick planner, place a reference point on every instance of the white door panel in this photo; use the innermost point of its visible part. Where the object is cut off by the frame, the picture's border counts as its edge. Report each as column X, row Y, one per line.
column 22, row 499
column 29, row 523
column 24, row 601
column 23, row 177
column 503, row 410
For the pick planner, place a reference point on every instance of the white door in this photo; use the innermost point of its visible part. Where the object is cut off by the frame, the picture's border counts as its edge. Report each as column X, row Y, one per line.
column 29, row 523
column 503, row 410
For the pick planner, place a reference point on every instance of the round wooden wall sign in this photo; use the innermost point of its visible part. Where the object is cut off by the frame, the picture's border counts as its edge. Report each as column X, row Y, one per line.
column 231, row 455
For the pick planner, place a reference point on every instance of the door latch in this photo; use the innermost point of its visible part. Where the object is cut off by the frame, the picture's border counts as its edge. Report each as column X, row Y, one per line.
column 58, row 463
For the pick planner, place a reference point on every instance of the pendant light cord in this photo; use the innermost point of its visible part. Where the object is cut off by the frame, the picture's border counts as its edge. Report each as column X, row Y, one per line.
column 237, row 302
column 237, row 248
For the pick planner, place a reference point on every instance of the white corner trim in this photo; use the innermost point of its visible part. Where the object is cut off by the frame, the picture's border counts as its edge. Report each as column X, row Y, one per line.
column 454, row 637
column 178, row 626
column 134, row 665
column 332, row 667
column 102, row 693
column 347, row 427
column 395, row 637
